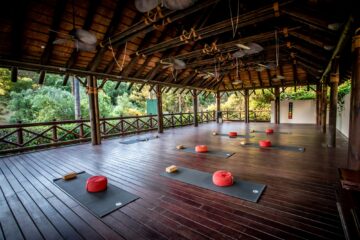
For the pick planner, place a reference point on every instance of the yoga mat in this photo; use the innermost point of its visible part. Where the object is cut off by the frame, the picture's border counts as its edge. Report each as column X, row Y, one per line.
column 276, row 147
column 271, row 133
column 246, row 190
column 210, row 152
column 100, row 203
column 145, row 139
column 238, row 136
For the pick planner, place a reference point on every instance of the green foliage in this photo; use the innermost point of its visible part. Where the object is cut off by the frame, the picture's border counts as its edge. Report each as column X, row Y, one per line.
column 301, row 93
column 41, row 104
column 343, row 90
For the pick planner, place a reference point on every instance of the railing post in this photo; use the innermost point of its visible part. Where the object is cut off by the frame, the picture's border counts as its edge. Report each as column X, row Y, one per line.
column 181, row 118
column 172, row 120
column 159, row 109
column 20, row 136
column 151, row 121
column 121, row 124
column 103, row 125
column 81, row 131
column 54, row 132
column 137, row 123
column 195, row 106
column 227, row 115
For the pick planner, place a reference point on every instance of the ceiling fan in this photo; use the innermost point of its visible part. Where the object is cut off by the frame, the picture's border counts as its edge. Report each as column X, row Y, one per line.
column 78, row 38
column 277, row 77
column 173, row 63
column 148, row 5
column 248, row 49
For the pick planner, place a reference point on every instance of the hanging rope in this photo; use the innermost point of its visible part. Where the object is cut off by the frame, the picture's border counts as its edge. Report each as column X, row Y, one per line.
column 234, row 28
column 113, row 54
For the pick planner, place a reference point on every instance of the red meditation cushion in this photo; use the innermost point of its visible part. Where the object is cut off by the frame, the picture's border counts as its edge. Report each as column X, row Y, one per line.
column 222, row 178
column 201, row 148
column 96, row 184
column 232, row 134
column 264, row 143
column 269, row 131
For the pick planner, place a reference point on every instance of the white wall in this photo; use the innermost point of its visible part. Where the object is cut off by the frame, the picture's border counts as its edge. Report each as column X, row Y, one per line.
column 304, row 111
column 343, row 117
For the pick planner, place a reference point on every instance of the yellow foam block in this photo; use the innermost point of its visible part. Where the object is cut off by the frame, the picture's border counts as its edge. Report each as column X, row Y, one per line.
column 180, row 147
column 69, row 176
column 214, row 133
column 171, row 169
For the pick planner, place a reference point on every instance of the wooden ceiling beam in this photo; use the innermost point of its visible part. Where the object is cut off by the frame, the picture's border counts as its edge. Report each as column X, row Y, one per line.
column 249, row 18
column 141, row 27
column 91, row 12
column 112, row 28
column 55, row 25
column 59, row 70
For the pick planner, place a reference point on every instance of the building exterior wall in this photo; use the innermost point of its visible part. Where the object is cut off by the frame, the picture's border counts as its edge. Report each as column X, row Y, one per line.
column 304, row 111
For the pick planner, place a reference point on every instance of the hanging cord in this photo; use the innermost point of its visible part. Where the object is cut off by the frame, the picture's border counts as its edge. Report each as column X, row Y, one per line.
column 113, row 54
column 237, row 18
column 277, row 49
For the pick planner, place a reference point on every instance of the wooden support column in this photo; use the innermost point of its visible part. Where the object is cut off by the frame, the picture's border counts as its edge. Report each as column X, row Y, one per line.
column 195, row 105
column 76, row 93
column 159, row 109
column 323, row 106
column 246, row 97
column 318, row 97
column 277, row 105
column 218, row 99
column 94, row 110
column 354, row 127
column 334, row 81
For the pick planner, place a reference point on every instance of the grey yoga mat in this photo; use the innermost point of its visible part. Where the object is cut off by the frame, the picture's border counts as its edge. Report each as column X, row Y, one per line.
column 210, row 152
column 246, row 190
column 144, row 139
column 276, row 147
column 238, row 136
column 100, row 203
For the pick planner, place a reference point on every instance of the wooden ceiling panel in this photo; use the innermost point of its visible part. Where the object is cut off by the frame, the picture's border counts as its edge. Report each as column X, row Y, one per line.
column 307, row 33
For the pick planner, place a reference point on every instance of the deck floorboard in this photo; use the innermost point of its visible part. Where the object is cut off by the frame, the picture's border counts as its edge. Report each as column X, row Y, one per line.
column 298, row 203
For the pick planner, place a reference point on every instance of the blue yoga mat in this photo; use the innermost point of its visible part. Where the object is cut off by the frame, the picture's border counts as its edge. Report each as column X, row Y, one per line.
column 246, row 190
column 276, row 147
column 100, row 203
column 210, row 153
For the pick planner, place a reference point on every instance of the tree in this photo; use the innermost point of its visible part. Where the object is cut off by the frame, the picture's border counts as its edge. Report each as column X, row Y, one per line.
column 41, row 105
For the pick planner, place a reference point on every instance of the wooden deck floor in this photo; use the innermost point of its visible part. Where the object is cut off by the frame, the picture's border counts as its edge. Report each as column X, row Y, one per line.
column 298, row 203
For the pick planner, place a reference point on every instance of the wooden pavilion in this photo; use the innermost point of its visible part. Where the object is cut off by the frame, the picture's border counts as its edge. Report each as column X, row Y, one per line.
column 202, row 47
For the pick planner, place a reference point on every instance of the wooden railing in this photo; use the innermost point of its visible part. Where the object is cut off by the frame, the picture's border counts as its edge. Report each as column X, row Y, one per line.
column 255, row 116
column 30, row 136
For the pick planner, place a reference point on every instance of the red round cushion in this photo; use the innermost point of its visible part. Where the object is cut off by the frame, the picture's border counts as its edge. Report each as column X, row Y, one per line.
column 222, row 178
column 264, row 143
column 201, row 148
column 269, row 130
column 96, row 184
column 232, row 134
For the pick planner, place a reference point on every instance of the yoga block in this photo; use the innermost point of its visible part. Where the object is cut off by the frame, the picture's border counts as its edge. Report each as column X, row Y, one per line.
column 69, row 176
column 180, row 147
column 171, row 169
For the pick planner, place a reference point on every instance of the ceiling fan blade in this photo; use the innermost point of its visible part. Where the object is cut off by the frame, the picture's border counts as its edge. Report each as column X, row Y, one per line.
column 62, row 41
column 178, row 4
column 84, row 46
column 179, row 64
column 85, row 36
column 242, row 46
column 145, row 5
